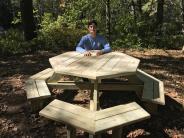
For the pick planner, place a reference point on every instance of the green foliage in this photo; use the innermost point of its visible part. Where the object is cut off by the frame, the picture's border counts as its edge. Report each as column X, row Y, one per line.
column 12, row 42
column 127, row 35
column 54, row 35
column 17, row 19
column 61, row 27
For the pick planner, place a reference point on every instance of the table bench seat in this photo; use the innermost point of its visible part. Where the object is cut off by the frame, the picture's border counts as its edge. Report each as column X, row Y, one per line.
column 153, row 90
column 43, row 75
column 36, row 89
column 94, row 122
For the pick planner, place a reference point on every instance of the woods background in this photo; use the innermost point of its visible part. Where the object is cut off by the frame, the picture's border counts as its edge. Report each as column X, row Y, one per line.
column 29, row 25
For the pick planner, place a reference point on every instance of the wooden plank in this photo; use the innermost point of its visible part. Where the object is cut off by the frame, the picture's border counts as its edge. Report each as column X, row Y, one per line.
column 86, row 67
column 76, row 68
column 81, row 64
column 43, row 74
column 95, row 97
column 31, row 89
column 153, row 88
column 93, row 69
column 42, row 88
column 71, row 132
column 94, row 122
column 120, row 109
column 108, row 66
column 71, row 85
column 102, row 86
column 134, row 79
column 46, row 76
column 126, row 63
column 54, row 78
column 67, row 117
column 121, row 119
column 145, row 76
column 63, row 57
column 79, row 111
column 72, row 59
column 112, row 74
column 57, row 61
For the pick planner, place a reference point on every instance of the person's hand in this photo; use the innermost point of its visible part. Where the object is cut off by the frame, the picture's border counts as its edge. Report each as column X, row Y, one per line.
column 99, row 52
column 87, row 53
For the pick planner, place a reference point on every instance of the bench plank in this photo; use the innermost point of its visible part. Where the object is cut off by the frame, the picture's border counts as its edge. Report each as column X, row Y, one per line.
column 111, row 86
column 94, row 121
column 72, row 108
column 68, row 114
column 43, row 75
column 36, row 89
column 42, row 88
column 116, row 110
column 121, row 119
column 31, row 89
column 153, row 90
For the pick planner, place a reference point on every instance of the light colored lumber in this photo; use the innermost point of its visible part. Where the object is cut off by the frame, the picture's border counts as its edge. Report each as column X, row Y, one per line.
column 97, row 121
column 31, row 89
column 126, row 118
column 42, row 88
column 153, row 90
column 93, row 69
column 118, row 86
column 72, row 108
column 95, row 97
column 116, row 110
column 108, row 65
column 54, row 78
column 43, row 75
column 57, row 61
column 72, row 118
column 36, row 89
column 71, row 132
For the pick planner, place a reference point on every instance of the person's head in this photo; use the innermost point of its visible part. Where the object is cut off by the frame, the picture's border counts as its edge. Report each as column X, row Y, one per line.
column 92, row 24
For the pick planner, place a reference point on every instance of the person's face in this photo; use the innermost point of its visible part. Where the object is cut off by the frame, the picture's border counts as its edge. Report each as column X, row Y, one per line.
column 92, row 29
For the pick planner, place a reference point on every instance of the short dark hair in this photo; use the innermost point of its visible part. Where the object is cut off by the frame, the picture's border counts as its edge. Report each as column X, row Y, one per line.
column 91, row 22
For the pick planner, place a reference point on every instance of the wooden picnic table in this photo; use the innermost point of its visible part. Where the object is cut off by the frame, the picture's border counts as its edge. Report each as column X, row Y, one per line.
column 95, row 68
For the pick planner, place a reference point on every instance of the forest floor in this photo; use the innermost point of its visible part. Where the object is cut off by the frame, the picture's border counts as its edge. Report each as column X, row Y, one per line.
column 17, row 120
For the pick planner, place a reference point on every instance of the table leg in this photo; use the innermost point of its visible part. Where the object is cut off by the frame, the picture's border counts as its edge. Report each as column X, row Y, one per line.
column 117, row 132
column 71, row 132
column 94, row 97
column 94, row 104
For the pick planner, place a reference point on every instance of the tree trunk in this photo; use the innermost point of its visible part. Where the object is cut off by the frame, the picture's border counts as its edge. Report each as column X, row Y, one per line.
column 182, row 7
column 134, row 10
column 182, row 4
column 160, row 12
column 108, row 22
column 139, row 2
column 6, row 15
column 28, row 19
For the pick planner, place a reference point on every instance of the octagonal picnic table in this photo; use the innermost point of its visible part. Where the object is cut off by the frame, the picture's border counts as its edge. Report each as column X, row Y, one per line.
column 95, row 68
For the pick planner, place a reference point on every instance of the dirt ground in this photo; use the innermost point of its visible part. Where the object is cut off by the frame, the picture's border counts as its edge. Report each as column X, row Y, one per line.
column 17, row 120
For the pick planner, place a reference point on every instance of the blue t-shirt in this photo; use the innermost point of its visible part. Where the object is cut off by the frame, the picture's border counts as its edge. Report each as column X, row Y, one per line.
column 87, row 42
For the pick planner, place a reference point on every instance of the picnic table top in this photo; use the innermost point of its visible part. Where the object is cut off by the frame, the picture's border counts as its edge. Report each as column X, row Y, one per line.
column 108, row 65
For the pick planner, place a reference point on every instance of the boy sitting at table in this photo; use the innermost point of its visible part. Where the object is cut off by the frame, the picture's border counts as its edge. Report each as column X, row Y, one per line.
column 93, row 42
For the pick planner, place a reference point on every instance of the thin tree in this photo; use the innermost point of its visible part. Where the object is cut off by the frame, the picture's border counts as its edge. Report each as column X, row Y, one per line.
column 28, row 19
column 160, row 12
column 108, row 22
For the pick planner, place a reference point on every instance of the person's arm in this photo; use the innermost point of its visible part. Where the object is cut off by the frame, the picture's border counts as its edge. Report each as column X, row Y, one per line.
column 80, row 47
column 106, row 46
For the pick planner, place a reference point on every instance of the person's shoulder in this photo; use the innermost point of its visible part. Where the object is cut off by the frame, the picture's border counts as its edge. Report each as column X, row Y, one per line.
column 100, row 36
column 86, row 36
